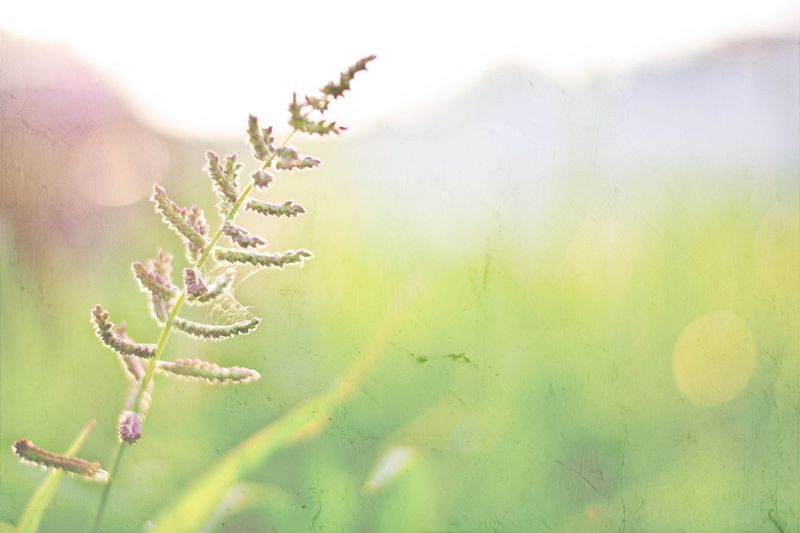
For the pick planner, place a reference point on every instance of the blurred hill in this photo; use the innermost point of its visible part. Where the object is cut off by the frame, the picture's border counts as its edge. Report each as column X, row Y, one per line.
column 69, row 147
column 516, row 144
column 509, row 149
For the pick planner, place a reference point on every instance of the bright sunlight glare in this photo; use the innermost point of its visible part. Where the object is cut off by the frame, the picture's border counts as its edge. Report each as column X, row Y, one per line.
column 195, row 69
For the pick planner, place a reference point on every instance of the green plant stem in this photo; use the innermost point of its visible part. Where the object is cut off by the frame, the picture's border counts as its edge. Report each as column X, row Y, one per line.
column 167, row 330
column 118, row 451
column 33, row 514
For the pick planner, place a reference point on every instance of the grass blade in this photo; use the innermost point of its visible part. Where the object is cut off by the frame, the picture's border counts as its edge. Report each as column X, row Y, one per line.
column 196, row 505
column 34, row 512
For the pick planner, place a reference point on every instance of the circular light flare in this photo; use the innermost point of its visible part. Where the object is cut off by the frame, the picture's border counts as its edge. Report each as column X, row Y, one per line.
column 714, row 358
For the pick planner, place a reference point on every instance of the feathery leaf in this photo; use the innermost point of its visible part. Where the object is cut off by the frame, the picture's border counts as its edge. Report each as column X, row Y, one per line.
column 262, row 179
column 130, row 426
column 198, row 220
column 301, row 113
column 130, row 364
column 29, row 453
column 224, row 180
column 299, row 118
column 154, row 283
column 200, row 291
column 288, row 158
column 214, row 170
column 118, row 343
column 260, row 140
column 188, row 224
column 241, row 237
column 265, row 259
column 215, row 331
column 162, row 266
column 32, row 516
column 337, row 90
column 287, row 208
column 196, row 369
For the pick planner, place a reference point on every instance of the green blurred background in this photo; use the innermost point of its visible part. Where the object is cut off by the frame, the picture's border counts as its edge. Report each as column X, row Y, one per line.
column 603, row 335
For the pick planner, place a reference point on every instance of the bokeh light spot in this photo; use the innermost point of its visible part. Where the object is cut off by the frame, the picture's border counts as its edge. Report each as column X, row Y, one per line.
column 389, row 466
column 594, row 512
column 714, row 358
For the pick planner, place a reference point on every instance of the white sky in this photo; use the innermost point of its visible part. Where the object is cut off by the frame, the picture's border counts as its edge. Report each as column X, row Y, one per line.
column 198, row 68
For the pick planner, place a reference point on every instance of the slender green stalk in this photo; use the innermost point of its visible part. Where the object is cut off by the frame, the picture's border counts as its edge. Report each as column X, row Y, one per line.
column 118, row 451
column 40, row 500
column 167, row 330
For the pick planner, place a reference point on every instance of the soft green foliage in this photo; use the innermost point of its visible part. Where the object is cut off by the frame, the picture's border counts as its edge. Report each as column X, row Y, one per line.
column 198, row 502
column 571, row 377
column 196, row 505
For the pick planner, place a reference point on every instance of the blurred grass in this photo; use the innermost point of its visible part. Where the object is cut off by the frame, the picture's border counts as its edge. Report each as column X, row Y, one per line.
column 31, row 518
column 195, row 506
column 565, row 414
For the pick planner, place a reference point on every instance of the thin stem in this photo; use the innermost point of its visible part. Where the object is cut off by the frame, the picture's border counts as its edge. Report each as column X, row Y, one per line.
column 118, row 451
column 163, row 337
